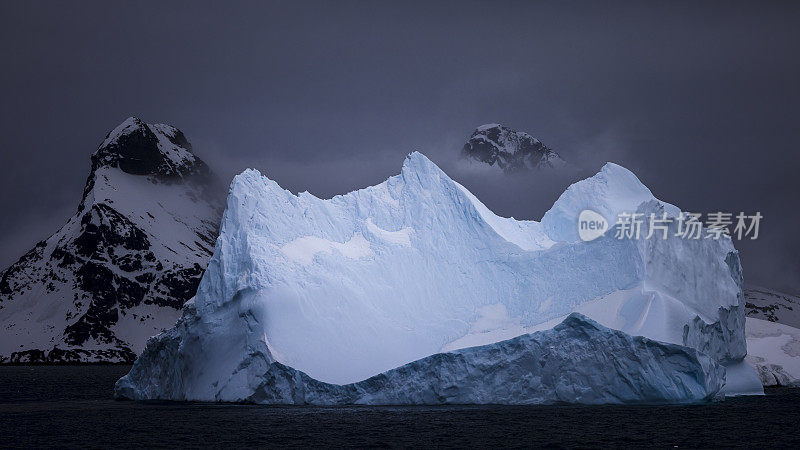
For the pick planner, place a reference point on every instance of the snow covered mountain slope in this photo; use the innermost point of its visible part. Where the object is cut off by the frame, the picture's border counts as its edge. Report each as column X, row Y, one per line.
column 510, row 150
column 576, row 361
column 771, row 305
column 121, row 268
column 350, row 287
column 773, row 349
column 773, row 336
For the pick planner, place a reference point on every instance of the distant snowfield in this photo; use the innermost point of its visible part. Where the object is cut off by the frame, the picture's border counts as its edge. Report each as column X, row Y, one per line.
column 773, row 349
column 350, row 287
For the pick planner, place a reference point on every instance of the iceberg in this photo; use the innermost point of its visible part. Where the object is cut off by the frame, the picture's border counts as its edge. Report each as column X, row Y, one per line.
column 382, row 279
column 576, row 361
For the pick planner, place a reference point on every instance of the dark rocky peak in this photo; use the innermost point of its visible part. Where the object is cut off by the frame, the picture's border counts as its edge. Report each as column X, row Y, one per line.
column 511, row 150
column 157, row 151
column 138, row 148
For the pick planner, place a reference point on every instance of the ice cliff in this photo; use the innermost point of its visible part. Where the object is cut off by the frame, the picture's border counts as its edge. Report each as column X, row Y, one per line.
column 340, row 290
column 576, row 361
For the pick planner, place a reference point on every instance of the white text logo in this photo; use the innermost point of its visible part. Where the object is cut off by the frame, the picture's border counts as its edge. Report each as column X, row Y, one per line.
column 591, row 225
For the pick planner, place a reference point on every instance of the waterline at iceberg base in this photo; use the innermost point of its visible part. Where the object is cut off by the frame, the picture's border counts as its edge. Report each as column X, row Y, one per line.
column 412, row 291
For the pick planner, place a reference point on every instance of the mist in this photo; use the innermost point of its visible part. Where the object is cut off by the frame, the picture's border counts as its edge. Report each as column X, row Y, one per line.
column 700, row 100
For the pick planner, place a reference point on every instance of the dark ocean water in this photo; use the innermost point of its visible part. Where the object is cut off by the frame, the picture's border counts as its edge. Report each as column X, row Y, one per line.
column 71, row 406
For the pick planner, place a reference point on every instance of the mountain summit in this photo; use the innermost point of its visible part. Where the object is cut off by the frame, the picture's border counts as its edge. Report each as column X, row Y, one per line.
column 511, row 150
column 141, row 149
column 121, row 268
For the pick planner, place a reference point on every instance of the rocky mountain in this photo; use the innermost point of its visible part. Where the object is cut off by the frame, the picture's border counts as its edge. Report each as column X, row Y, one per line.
column 121, row 268
column 510, row 150
column 773, row 306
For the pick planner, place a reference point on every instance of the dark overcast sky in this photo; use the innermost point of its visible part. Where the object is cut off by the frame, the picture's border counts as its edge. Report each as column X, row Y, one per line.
column 700, row 99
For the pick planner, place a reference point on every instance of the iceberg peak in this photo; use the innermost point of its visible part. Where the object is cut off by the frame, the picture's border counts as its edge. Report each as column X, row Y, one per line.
column 613, row 190
column 417, row 163
column 577, row 320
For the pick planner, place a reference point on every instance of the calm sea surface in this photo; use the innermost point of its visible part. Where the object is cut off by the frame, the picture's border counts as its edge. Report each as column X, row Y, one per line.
column 72, row 406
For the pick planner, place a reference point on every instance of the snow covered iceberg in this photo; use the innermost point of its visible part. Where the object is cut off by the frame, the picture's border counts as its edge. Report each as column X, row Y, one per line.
column 350, row 287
